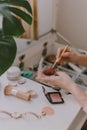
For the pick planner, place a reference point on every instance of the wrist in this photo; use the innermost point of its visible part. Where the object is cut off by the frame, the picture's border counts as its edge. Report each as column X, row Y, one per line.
column 73, row 88
column 74, row 58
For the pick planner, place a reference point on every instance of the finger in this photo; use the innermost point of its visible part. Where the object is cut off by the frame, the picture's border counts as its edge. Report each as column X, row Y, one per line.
column 60, row 73
column 59, row 52
column 41, row 76
column 46, row 79
column 66, row 54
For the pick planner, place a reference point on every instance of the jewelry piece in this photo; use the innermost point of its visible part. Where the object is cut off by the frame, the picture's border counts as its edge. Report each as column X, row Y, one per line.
column 47, row 111
column 16, row 115
column 31, row 113
column 27, row 115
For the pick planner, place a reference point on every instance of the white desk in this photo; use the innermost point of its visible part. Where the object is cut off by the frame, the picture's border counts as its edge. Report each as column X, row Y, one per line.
column 68, row 116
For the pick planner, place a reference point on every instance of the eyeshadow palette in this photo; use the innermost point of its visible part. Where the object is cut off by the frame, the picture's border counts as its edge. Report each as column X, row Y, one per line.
column 54, row 97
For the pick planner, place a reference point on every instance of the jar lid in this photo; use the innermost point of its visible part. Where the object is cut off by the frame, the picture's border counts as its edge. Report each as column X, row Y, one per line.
column 13, row 73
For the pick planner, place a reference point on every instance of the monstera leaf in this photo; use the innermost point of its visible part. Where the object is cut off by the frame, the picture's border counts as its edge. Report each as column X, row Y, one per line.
column 12, row 11
column 7, row 53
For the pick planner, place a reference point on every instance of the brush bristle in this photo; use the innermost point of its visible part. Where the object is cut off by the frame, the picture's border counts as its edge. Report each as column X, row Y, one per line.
column 49, row 71
column 7, row 90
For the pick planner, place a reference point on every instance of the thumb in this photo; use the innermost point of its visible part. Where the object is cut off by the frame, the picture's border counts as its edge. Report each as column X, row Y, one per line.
column 66, row 54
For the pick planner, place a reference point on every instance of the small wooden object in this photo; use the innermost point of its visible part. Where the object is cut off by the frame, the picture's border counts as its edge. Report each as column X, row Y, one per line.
column 10, row 90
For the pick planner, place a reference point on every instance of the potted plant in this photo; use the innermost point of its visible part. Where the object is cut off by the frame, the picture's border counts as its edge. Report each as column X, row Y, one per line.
column 12, row 12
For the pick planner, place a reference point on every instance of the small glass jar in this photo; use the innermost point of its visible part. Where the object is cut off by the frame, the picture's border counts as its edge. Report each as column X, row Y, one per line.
column 13, row 73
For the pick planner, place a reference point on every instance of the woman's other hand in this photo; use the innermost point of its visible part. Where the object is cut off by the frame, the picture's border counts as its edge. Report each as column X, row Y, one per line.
column 60, row 80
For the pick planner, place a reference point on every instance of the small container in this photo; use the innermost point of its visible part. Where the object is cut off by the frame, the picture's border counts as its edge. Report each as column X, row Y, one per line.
column 13, row 73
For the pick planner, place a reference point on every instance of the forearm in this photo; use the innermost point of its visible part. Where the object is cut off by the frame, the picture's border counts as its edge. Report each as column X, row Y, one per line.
column 80, row 59
column 79, row 94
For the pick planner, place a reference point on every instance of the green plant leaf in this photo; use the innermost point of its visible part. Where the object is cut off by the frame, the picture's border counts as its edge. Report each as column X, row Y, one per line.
column 12, row 28
column 11, row 24
column 20, row 3
column 12, row 10
column 26, row 17
column 7, row 53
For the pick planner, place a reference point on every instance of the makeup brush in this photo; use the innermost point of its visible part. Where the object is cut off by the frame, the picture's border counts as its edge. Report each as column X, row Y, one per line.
column 57, row 61
column 51, row 70
column 10, row 90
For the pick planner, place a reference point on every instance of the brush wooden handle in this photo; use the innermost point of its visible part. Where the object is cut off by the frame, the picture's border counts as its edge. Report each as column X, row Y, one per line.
column 60, row 57
column 64, row 50
column 22, row 95
column 10, row 90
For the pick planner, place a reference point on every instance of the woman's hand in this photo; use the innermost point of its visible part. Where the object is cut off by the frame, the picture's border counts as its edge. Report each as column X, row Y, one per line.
column 67, row 56
column 60, row 80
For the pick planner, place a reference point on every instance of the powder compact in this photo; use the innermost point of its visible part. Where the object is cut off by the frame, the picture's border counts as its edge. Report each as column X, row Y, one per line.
column 53, row 97
column 49, row 71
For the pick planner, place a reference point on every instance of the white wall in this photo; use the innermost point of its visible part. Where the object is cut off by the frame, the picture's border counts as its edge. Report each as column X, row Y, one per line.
column 72, row 21
column 45, row 16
